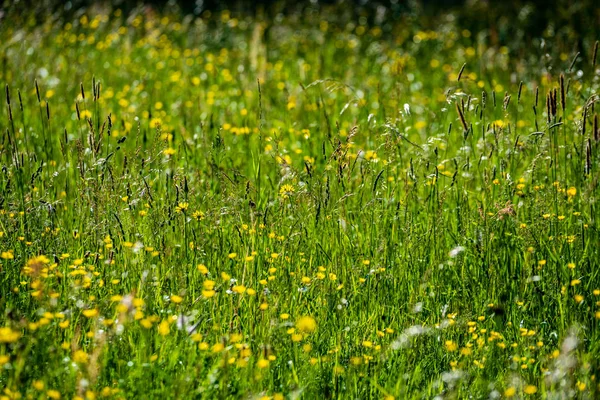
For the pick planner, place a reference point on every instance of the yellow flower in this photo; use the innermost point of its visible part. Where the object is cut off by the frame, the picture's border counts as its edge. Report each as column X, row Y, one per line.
column 203, row 346
column 286, row 191
column 91, row 313
column 196, row 337
column 262, row 363
column 181, row 207
column 146, row 323
column 306, row 324
column 450, row 345
column 571, row 192
column 530, row 389
column 370, row 155
column 53, row 394
column 163, row 328
column 510, row 392
column 80, row 357
column 7, row 255
column 202, row 268
column 176, row 299
column 7, row 335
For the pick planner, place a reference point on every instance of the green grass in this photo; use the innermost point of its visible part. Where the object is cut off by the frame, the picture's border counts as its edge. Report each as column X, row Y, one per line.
column 307, row 207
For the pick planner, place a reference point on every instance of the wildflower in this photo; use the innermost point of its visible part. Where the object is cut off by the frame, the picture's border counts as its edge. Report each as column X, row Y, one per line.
column 306, row 324
column 163, row 328
column 286, row 191
column 80, row 357
column 530, row 389
column 262, row 363
column 181, row 207
column 146, row 323
column 370, row 155
column 7, row 255
column 510, row 392
column 450, row 345
column 53, row 394
column 176, row 299
column 202, row 268
column 91, row 313
column 7, row 335
column 240, row 289
column 203, row 346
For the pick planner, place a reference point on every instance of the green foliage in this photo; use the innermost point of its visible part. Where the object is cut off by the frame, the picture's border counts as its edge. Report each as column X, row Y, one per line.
column 242, row 207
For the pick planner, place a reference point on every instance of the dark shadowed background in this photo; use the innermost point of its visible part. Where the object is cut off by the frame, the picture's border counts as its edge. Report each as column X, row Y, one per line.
column 514, row 24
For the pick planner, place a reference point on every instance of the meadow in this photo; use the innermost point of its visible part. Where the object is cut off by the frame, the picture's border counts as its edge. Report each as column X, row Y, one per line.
column 302, row 206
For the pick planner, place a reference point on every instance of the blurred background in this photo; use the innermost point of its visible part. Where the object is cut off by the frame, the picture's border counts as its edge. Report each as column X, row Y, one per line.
column 507, row 23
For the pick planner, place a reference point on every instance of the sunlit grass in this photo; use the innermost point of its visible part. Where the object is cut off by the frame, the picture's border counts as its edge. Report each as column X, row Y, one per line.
column 227, row 207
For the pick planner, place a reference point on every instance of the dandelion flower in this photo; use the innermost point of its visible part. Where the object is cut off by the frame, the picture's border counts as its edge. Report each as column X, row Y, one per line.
column 262, row 363
column 306, row 324
column 176, row 299
column 163, row 328
column 530, row 389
